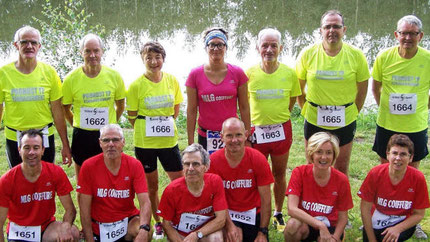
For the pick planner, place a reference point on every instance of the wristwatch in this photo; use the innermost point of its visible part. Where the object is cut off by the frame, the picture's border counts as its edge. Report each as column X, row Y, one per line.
column 145, row 227
column 199, row 235
column 264, row 230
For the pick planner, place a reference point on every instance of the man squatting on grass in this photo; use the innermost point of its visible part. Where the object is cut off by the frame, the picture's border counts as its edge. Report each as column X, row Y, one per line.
column 27, row 196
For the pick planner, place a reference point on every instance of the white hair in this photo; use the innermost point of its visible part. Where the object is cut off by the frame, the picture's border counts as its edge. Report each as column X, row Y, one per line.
column 88, row 37
column 23, row 30
column 267, row 31
column 410, row 19
column 115, row 127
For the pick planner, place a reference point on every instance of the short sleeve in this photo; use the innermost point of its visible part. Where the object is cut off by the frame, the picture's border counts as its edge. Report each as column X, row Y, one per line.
column 363, row 68
column 120, row 88
column 133, row 96
column 377, row 69
column 191, row 80
column 219, row 202
column 67, row 90
column 345, row 202
column 4, row 192
column 295, row 185
column 178, row 94
column 421, row 200
column 301, row 69
column 56, row 92
column 241, row 76
column 263, row 173
column 167, row 205
column 367, row 190
column 84, row 181
column 63, row 185
column 295, row 88
column 139, row 181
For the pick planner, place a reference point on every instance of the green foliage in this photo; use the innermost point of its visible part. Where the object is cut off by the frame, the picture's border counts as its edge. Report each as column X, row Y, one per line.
column 61, row 30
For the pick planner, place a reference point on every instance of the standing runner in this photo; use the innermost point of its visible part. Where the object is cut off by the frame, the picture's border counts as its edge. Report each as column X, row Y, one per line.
column 97, row 94
column 153, row 105
column 273, row 88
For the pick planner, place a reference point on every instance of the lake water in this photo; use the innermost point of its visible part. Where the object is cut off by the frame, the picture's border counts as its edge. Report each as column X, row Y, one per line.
column 178, row 25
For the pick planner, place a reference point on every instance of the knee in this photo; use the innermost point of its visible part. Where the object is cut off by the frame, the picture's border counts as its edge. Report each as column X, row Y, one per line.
column 216, row 236
column 292, row 226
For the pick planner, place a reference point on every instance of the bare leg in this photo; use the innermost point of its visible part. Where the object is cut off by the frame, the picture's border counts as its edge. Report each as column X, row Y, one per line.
column 279, row 166
column 152, row 180
column 342, row 162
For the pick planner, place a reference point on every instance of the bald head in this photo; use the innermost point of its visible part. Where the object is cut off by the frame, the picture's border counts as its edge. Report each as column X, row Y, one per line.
column 232, row 122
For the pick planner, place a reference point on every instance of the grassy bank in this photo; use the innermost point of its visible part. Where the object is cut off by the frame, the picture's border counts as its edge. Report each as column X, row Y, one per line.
column 362, row 160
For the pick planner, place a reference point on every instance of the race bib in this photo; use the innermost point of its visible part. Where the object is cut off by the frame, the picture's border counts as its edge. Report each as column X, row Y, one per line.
column 381, row 221
column 27, row 233
column 246, row 217
column 45, row 137
column 269, row 133
column 94, row 118
column 190, row 222
column 214, row 141
column 113, row 231
column 333, row 116
column 323, row 219
column 403, row 103
column 160, row 126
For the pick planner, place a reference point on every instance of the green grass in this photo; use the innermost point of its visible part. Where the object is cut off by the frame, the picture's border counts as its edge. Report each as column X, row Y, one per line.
column 362, row 160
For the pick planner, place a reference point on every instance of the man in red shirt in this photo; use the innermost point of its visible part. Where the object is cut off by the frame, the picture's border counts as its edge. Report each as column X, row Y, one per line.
column 246, row 177
column 107, row 185
column 27, row 196
column 193, row 207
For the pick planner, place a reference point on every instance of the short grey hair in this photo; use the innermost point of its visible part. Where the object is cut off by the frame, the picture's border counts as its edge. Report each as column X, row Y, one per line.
column 88, row 37
column 115, row 127
column 267, row 31
column 198, row 148
column 410, row 19
column 23, row 30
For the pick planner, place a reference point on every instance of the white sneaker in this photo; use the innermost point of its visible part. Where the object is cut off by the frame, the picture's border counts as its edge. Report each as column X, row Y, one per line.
column 419, row 233
column 158, row 232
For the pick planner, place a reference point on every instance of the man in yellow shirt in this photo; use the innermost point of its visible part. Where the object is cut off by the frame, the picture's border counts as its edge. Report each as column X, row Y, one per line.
column 401, row 83
column 31, row 93
column 336, row 75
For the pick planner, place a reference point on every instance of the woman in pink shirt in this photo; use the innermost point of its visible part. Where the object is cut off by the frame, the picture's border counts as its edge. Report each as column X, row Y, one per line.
column 214, row 90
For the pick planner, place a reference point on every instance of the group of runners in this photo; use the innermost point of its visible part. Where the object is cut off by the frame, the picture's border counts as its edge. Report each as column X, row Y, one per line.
column 220, row 187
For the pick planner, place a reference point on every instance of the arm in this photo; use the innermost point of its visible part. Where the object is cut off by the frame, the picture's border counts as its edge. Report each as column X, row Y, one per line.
column 361, row 94
column 192, row 102
column 302, row 98
column 366, row 217
column 172, row 233
column 376, row 90
column 212, row 226
column 1, row 111
column 132, row 114
column 120, row 106
column 175, row 115
column 3, row 215
column 295, row 212
column 60, row 125
column 342, row 220
column 266, row 208
column 394, row 232
column 69, row 216
column 144, row 215
column 85, row 207
column 292, row 102
column 242, row 95
column 68, row 113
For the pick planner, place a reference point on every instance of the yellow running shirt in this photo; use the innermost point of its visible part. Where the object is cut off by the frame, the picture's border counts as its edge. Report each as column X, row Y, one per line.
column 89, row 94
column 269, row 94
column 331, row 80
column 405, row 90
column 27, row 97
column 151, row 99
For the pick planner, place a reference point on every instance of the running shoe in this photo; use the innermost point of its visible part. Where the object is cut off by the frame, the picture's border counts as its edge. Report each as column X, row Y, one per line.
column 278, row 222
column 158, row 231
column 419, row 233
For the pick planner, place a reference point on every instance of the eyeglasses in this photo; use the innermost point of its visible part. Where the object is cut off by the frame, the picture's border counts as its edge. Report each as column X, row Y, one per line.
column 114, row 140
column 334, row 26
column 401, row 154
column 26, row 42
column 411, row 34
column 220, row 46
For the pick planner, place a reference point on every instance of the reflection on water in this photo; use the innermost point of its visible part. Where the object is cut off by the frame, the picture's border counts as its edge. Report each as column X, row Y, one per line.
column 177, row 24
